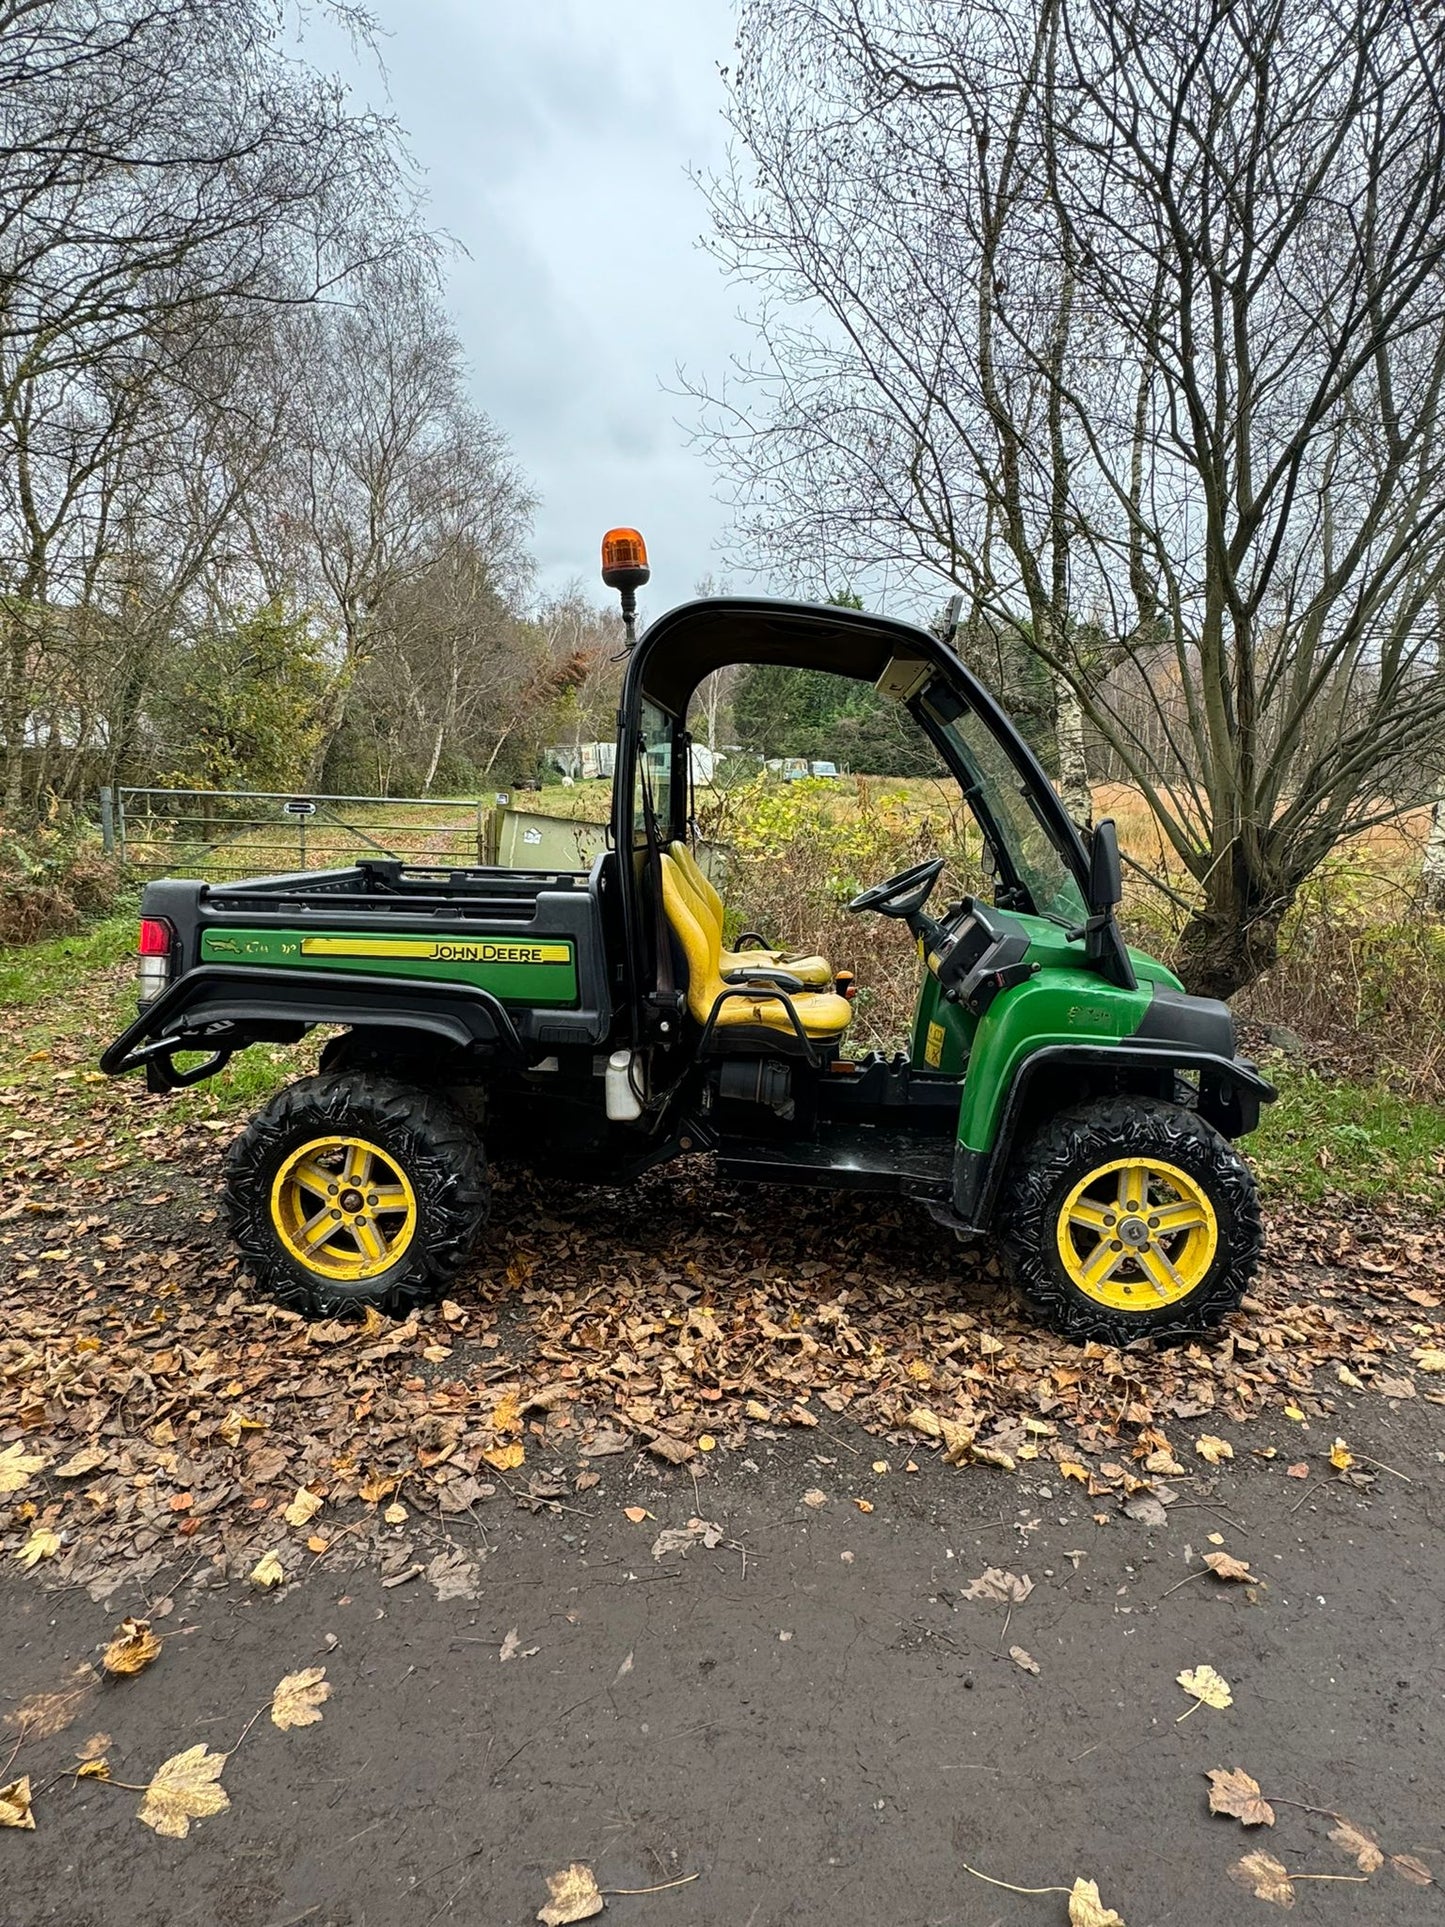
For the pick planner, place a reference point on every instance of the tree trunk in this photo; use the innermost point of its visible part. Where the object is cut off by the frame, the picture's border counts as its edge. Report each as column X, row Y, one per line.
column 1433, row 869
column 1232, row 939
column 1069, row 737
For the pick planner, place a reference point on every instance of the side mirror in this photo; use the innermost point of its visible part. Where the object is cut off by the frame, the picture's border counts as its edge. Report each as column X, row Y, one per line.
column 1106, row 886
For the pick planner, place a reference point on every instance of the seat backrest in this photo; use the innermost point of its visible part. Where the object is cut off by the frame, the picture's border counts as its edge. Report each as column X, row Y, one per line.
column 706, row 909
column 702, row 885
column 704, row 984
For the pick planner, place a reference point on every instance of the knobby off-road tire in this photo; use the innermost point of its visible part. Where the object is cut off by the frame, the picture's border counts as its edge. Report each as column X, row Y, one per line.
column 1067, row 1199
column 354, row 1190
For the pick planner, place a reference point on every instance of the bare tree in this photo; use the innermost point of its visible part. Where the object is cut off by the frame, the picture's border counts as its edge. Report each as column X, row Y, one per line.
column 164, row 170
column 394, row 494
column 1130, row 320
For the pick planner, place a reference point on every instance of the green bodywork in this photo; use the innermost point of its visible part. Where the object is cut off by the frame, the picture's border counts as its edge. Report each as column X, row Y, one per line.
column 541, row 971
column 1065, row 1002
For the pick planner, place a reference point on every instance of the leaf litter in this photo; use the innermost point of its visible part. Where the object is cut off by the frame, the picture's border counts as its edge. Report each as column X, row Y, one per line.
column 161, row 1410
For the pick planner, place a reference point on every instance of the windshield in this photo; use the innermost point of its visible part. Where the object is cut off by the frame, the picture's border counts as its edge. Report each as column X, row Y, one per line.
column 1005, row 806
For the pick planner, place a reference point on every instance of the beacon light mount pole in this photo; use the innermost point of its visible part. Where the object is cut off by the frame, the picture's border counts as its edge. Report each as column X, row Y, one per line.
column 624, row 568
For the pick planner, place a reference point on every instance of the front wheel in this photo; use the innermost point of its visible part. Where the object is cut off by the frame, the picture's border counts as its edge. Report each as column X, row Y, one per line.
column 1127, row 1218
column 355, row 1190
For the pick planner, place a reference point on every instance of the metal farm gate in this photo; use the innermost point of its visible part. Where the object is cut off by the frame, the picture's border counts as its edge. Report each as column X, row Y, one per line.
column 233, row 833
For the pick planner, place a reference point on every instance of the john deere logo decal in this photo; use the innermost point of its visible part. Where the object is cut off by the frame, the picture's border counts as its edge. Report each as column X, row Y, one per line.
column 487, row 950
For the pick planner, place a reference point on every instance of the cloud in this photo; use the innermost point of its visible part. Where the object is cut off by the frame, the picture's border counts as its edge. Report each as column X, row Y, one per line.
column 556, row 140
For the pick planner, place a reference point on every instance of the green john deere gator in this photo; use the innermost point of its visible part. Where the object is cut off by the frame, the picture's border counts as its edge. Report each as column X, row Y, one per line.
column 1062, row 1093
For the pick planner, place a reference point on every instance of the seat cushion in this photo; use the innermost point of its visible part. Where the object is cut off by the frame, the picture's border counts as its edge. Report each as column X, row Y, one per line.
column 822, row 1013
column 817, row 972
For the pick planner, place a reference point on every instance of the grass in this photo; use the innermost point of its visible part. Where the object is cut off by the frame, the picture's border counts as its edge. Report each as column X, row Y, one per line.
column 1359, row 1140
column 43, row 973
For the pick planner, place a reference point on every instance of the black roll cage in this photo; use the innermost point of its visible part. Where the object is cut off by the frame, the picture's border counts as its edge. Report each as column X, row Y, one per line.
column 683, row 647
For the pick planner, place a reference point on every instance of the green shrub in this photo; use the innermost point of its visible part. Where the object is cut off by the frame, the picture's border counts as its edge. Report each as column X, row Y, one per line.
column 52, row 877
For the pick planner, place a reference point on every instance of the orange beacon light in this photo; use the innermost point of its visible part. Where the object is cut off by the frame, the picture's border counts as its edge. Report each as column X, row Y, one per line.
column 624, row 568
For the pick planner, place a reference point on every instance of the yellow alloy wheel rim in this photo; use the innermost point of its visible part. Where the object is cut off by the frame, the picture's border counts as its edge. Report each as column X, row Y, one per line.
column 1136, row 1234
column 343, row 1208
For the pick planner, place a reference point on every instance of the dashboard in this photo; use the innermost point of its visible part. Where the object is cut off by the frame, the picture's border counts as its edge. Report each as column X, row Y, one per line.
column 976, row 953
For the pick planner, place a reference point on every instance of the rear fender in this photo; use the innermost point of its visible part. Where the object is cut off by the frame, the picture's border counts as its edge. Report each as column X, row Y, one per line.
column 221, row 1009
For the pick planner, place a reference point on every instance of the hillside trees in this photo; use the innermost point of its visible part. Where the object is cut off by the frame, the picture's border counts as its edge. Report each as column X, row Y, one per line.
column 1127, row 318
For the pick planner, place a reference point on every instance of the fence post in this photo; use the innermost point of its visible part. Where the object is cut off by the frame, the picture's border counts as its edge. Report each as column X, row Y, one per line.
column 107, row 819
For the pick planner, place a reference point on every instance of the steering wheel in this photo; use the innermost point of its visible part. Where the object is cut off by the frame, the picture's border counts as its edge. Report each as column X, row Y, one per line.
column 904, row 894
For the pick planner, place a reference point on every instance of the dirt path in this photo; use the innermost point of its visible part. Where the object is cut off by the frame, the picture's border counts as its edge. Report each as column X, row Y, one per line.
column 808, row 1715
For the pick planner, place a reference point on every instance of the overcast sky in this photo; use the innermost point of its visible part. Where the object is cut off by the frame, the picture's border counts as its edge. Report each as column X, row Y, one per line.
column 556, row 138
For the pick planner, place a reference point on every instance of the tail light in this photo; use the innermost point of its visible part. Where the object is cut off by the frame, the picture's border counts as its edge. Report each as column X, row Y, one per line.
column 157, row 940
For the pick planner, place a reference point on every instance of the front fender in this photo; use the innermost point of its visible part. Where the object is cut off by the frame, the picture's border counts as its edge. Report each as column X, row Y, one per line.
column 1069, row 1027
column 1231, row 1090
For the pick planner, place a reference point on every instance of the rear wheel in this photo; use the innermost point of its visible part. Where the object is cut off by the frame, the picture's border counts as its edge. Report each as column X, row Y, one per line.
column 1129, row 1217
column 349, row 1191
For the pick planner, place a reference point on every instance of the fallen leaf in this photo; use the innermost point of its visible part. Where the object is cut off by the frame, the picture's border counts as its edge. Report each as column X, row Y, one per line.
column 379, row 1486
column 605, row 1443
column 1207, row 1686
column 864, row 1505
column 42, row 1544
column 267, row 1571
column 1071, row 1469
column 1023, row 1659
column 1212, row 1449
column 1411, row 1869
column 1431, row 1359
column 636, row 1513
column 506, row 1458
column 132, row 1649
column 1265, row 1877
column 814, row 1498
column 1389, row 1386
column 1002, row 1588
column 1235, row 1792
column 183, row 1788
column 707, row 1443
column 1087, row 1910
column 94, row 1747
column 17, row 1468
column 302, row 1509
column 1225, row 1567
column 45, row 1714
column 15, row 1804
column 574, row 1896
column 396, row 1514
column 674, row 1452
column 93, row 1770
column 1361, row 1848
column 297, row 1700
column 1146, row 1509
column 1298, row 1471
column 1341, row 1457
column 90, row 1458
column 512, row 1648
column 452, row 1575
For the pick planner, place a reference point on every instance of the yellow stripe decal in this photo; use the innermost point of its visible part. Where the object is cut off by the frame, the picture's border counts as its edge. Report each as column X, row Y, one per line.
column 492, row 950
